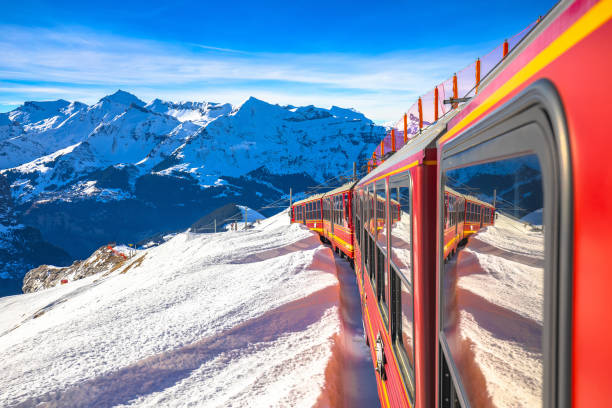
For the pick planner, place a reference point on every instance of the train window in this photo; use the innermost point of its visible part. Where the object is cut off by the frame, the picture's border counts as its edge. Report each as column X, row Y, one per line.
column 402, row 327
column 324, row 204
column 400, row 199
column 381, row 215
column 492, row 290
column 346, row 210
column 369, row 194
column 371, row 261
column 380, row 225
column 357, row 216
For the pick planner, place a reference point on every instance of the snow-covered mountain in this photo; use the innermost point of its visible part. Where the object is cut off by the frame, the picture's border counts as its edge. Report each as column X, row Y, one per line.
column 21, row 247
column 124, row 170
column 198, row 112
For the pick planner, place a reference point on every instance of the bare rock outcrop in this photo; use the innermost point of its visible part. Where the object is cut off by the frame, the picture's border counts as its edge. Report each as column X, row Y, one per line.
column 47, row 276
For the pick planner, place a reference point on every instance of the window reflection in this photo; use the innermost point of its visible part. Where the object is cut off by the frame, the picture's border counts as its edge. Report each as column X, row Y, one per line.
column 493, row 280
column 400, row 210
column 407, row 318
column 381, row 215
column 400, row 205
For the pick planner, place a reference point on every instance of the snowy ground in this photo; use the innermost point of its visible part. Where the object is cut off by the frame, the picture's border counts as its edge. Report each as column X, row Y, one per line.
column 243, row 318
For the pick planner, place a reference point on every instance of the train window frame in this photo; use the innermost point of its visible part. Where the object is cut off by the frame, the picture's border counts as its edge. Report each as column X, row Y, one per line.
column 396, row 277
column 533, row 122
column 362, row 198
column 381, row 254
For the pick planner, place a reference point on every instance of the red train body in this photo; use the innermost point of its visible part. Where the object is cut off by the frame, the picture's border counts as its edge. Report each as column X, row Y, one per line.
column 480, row 246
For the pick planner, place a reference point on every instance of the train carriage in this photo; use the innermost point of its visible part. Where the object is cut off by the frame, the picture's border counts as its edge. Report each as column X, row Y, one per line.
column 338, row 219
column 394, row 263
column 480, row 245
column 520, row 286
column 455, row 217
column 309, row 212
column 477, row 214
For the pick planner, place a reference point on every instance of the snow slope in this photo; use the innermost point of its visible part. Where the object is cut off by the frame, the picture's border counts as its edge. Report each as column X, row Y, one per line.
column 230, row 319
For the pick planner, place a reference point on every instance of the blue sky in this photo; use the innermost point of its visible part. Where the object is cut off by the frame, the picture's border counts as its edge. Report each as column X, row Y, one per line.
column 374, row 56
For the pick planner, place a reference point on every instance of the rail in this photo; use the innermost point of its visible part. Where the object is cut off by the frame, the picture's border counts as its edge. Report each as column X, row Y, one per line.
column 445, row 97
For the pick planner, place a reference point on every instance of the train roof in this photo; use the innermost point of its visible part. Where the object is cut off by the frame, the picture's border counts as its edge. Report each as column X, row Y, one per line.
column 344, row 187
column 476, row 200
column 309, row 199
column 468, row 197
column 433, row 132
column 414, row 145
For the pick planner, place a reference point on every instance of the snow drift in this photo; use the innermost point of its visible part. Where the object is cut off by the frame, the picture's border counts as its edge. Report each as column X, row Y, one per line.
column 238, row 318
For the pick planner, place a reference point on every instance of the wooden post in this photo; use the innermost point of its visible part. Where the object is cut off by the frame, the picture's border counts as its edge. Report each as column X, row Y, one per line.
column 420, row 114
column 215, row 225
column 455, row 90
column 392, row 140
column 405, row 128
column 505, row 48
column 477, row 74
column 246, row 217
column 290, row 197
column 354, row 171
column 436, row 104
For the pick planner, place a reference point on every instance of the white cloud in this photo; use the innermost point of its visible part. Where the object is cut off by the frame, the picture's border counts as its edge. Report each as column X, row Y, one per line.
column 86, row 63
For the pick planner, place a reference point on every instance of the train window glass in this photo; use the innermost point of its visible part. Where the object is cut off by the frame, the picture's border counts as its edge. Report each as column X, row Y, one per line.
column 493, row 288
column 371, row 261
column 402, row 330
column 334, row 203
column 357, row 216
column 400, row 198
column 324, row 209
column 382, row 281
column 346, row 210
column 369, row 192
column 381, row 215
column 403, row 327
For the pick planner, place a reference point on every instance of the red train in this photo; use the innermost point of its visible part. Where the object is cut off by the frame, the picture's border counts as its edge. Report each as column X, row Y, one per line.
column 480, row 246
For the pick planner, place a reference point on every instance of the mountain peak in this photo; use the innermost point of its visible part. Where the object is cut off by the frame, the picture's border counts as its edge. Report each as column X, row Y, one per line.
column 348, row 113
column 35, row 111
column 124, row 98
column 252, row 101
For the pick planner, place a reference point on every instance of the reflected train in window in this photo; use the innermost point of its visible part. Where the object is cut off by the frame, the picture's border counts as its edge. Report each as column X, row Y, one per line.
column 480, row 246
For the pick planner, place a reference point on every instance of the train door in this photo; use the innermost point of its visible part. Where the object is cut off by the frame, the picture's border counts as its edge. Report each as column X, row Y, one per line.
column 489, row 314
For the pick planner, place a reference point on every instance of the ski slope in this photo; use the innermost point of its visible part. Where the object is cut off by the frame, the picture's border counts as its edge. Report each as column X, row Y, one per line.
column 238, row 318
